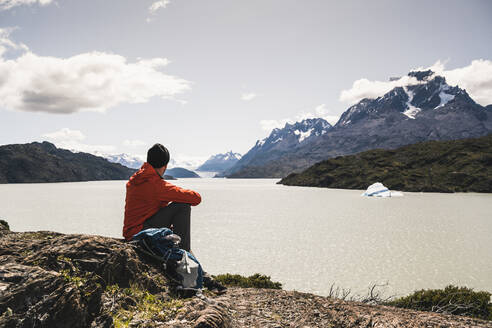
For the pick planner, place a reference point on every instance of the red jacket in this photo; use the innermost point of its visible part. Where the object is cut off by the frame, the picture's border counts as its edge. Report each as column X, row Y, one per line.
column 146, row 193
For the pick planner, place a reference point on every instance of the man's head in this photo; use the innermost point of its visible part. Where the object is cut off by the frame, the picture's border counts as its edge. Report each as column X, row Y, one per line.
column 158, row 156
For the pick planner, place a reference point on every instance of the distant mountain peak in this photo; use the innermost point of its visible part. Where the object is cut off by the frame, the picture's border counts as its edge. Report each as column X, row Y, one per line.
column 429, row 93
column 127, row 160
column 421, row 75
column 220, row 162
column 298, row 131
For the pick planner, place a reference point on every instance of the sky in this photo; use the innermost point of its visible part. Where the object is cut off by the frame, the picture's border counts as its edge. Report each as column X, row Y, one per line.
column 206, row 77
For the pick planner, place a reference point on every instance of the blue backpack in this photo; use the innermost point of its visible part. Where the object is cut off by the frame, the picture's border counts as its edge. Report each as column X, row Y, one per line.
column 179, row 265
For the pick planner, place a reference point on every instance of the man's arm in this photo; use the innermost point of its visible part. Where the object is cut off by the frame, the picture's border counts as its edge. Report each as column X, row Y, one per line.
column 171, row 193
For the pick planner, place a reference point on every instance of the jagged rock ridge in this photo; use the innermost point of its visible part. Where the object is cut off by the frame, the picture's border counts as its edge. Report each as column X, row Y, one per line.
column 280, row 141
column 425, row 109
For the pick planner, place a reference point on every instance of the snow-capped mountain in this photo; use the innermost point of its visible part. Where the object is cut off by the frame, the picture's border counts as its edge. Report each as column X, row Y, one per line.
column 289, row 138
column 427, row 92
column 130, row 161
column 220, row 162
column 296, row 133
column 426, row 108
column 135, row 162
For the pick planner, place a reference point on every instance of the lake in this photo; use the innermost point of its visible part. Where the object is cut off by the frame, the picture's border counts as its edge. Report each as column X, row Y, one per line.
column 306, row 238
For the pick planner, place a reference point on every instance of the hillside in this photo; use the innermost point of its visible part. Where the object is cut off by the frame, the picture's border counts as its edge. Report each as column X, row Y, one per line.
column 440, row 166
column 43, row 162
column 425, row 109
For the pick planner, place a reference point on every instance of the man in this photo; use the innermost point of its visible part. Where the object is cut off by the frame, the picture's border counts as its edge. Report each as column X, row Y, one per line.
column 152, row 202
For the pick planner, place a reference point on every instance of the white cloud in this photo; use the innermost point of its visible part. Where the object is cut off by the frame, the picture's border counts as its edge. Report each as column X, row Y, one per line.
column 72, row 139
column 320, row 111
column 7, row 4
column 7, row 44
column 154, row 7
column 323, row 112
column 186, row 161
column 364, row 88
column 92, row 81
column 248, row 96
column 65, row 134
column 134, row 143
column 476, row 78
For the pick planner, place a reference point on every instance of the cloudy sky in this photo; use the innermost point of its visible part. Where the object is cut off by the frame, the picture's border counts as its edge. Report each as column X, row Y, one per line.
column 204, row 77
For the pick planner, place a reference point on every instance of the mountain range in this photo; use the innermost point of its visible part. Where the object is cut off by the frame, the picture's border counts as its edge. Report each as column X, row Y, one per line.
column 427, row 108
column 44, row 162
column 220, row 162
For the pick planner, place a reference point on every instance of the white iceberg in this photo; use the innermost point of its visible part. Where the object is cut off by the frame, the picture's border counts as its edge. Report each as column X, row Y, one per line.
column 379, row 190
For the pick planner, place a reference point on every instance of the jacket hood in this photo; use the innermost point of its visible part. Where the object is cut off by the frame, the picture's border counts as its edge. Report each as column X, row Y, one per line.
column 146, row 172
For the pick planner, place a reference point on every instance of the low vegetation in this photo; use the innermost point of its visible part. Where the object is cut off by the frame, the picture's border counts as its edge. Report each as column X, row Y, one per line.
column 4, row 224
column 451, row 300
column 434, row 166
column 255, row 281
column 455, row 300
column 138, row 305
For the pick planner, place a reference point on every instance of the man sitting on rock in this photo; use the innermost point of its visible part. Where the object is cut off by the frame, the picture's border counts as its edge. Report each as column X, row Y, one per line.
column 152, row 202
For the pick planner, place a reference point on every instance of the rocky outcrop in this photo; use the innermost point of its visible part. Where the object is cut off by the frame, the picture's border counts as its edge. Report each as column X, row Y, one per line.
column 49, row 279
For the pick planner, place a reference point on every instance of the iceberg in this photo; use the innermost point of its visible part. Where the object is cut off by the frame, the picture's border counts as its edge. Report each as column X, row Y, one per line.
column 379, row 190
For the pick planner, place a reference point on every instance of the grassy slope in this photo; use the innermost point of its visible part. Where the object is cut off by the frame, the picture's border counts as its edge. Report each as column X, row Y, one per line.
column 440, row 166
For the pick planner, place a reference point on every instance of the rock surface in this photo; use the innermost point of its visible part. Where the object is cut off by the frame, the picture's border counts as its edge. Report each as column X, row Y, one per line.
column 49, row 279
column 279, row 308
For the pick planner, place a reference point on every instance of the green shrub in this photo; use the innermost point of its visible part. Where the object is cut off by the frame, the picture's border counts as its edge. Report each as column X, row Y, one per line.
column 255, row 281
column 4, row 225
column 452, row 300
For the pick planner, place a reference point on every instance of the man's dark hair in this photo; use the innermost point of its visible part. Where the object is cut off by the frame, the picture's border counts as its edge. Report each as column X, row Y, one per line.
column 158, row 156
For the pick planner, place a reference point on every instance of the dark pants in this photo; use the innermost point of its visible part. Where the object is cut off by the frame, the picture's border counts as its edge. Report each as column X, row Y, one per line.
column 177, row 215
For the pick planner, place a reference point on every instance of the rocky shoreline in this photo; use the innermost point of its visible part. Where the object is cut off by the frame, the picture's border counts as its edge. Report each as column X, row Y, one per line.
column 50, row 279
